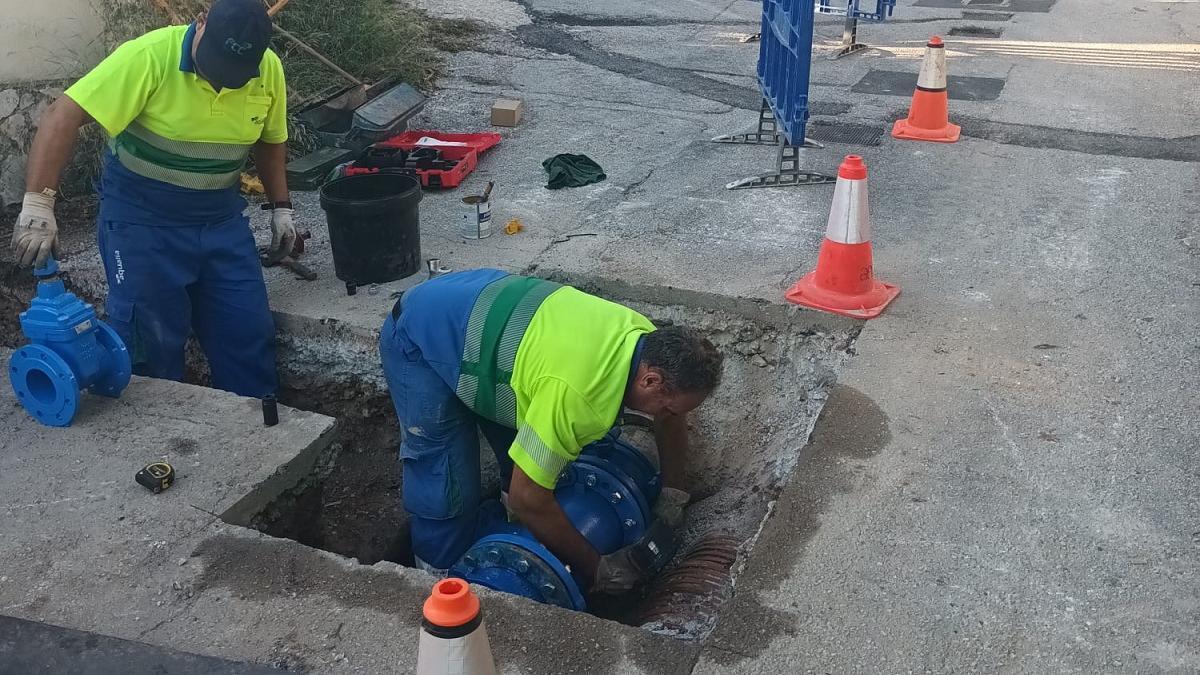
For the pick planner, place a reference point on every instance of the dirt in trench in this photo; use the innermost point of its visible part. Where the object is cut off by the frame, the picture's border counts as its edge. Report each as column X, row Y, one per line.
column 350, row 505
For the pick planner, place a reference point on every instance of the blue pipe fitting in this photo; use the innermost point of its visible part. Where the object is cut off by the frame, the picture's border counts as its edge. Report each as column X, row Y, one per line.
column 70, row 351
column 602, row 503
column 607, row 494
column 631, row 462
column 516, row 563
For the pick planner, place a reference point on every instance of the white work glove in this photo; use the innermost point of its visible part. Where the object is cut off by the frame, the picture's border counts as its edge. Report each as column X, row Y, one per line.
column 617, row 572
column 283, row 234
column 35, row 236
column 669, row 507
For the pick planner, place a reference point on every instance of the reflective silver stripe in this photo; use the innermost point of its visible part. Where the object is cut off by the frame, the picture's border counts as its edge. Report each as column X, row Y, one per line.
column 467, row 388
column 479, row 314
column 518, row 323
column 849, row 221
column 194, row 149
column 185, row 179
column 541, row 454
column 506, row 405
column 933, row 69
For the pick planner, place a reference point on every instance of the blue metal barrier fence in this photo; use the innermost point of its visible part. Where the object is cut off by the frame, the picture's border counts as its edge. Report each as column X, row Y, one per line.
column 784, row 64
column 784, row 60
column 854, row 9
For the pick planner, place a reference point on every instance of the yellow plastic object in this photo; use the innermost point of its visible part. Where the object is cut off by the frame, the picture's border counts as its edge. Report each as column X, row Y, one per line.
column 252, row 185
column 514, row 226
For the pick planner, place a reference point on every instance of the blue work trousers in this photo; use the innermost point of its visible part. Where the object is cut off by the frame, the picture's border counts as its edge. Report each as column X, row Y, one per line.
column 439, row 452
column 166, row 282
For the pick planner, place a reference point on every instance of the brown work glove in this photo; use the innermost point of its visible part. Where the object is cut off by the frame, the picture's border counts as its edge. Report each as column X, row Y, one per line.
column 617, row 573
column 669, row 507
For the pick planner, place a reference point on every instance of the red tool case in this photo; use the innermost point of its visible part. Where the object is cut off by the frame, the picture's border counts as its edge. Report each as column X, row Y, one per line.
column 464, row 157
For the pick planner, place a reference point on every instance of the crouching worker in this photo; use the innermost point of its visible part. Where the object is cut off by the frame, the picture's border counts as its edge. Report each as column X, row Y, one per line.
column 541, row 369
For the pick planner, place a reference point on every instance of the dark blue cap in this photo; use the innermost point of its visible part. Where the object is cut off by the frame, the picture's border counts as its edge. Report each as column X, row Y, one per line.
column 236, row 33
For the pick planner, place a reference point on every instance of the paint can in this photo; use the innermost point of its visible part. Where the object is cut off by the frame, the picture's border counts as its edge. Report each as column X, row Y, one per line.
column 477, row 217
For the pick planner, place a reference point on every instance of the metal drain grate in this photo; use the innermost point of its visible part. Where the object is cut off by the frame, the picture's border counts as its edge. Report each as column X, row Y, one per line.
column 1007, row 5
column 975, row 31
column 846, row 134
column 961, row 88
column 986, row 16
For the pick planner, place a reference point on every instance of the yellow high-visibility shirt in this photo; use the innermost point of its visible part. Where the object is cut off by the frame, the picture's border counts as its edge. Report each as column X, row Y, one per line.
column 169, row 124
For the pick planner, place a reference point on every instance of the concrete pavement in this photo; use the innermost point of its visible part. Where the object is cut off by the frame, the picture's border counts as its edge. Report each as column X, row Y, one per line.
column 1005, row 478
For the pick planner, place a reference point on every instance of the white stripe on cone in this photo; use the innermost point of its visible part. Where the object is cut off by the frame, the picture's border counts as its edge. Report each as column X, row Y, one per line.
column 849, row 220
column 468, row 655
column 933, row 69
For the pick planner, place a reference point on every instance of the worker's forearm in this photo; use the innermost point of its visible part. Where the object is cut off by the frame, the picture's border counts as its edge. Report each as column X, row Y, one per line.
column 555, row 531
column 271, row 160
column 539, row 511
column 671, row 437
column 53, row 145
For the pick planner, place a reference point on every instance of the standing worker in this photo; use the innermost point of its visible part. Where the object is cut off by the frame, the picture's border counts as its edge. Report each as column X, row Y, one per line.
column 542, row 370
column 183, row 107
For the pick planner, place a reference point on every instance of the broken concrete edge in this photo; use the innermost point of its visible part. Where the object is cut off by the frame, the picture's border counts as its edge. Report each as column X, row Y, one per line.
column 758, row 310
column 346, row 354
column 525, row 636
column 286, row 478
column 850, row 426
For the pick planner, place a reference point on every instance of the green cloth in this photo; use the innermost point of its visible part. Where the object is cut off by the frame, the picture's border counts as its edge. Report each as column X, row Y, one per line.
column 572, row 171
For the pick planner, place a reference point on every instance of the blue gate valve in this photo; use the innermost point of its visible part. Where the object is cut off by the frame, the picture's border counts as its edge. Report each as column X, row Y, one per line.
column 70, row 351
column 607, row 494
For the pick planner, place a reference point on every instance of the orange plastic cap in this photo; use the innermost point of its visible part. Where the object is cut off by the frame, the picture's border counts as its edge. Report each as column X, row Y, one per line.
column 451, row 603
column 852, row 168
column 935, row 41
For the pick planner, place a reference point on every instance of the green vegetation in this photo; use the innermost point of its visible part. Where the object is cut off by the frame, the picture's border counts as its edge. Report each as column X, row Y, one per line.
column 373, row 40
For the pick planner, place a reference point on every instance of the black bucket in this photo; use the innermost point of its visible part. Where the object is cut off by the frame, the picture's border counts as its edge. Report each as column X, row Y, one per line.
column 374, row 227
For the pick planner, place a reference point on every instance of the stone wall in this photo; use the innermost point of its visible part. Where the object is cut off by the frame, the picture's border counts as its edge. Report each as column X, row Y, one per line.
column 49, row 39
column 20, row 107
column 43, row 45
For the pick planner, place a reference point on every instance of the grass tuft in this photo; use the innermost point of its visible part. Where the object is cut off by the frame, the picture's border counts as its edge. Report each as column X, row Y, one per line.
column 373, row 40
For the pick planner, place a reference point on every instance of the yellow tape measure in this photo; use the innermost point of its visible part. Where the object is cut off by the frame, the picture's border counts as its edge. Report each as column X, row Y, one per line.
column 156, row 477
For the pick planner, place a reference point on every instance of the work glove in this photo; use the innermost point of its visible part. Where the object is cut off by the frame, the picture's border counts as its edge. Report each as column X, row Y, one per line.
column 618, row 572
column 35, row 236
column 283, row 234
column 669, row 507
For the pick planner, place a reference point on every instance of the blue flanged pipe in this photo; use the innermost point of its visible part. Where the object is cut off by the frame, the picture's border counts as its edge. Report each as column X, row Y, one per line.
column 70, row 351
column 607, row 494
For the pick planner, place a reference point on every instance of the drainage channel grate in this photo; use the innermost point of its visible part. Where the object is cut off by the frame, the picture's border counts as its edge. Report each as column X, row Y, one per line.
column 1041, row 6
column 987, row 16
column 894, row 83
column 846, row 134
column 975, row 31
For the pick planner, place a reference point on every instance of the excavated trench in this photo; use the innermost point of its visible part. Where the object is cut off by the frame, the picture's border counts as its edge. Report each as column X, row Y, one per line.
column 746, row 442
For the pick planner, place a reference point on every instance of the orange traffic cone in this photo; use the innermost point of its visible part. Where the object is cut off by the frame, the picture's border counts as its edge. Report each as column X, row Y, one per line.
column 843, row 282
column 929, row 116
column 453, row 639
